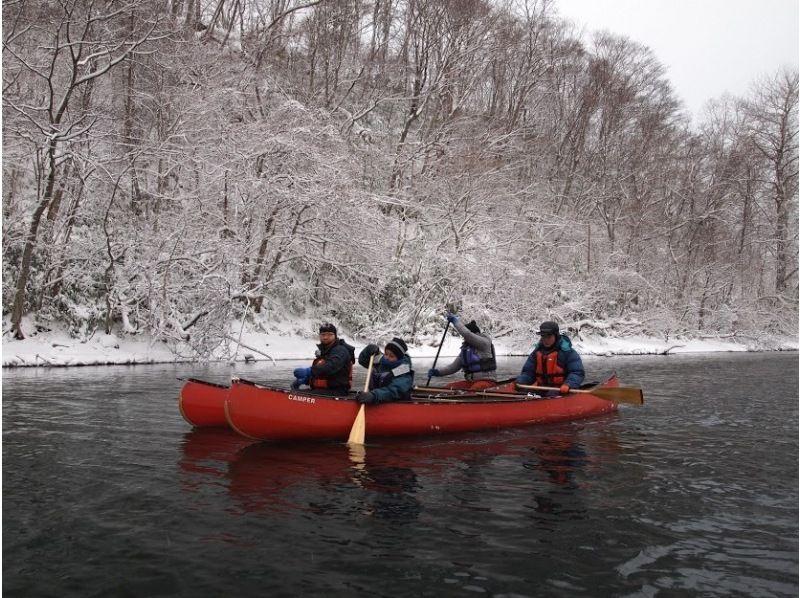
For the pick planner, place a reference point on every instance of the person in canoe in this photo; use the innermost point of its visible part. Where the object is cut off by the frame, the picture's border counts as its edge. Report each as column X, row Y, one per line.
column 553, row 362
column 392, row 375
column 476, row 358
column 331, row 372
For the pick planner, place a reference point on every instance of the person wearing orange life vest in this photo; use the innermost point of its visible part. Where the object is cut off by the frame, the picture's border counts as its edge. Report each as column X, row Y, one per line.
column 553, row 362
column 332, row 370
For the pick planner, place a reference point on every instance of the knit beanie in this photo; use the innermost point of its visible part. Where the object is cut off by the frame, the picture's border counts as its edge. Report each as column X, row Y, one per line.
column 473, row 327
column 397, row 346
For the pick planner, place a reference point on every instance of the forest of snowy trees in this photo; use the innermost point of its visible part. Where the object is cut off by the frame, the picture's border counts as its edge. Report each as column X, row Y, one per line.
column 368, row 161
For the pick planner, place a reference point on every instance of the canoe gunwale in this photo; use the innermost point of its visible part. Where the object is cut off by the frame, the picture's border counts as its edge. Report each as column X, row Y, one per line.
column 466, row 397
column 207, row 383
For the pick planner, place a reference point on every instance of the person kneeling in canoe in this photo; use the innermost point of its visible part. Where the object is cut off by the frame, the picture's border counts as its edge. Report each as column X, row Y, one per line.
column 553, row 362
column 392, row 377
column 331, row 372
column 476, row 358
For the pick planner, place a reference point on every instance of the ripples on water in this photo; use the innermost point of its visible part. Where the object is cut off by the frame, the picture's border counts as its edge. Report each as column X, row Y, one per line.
column 106, row 491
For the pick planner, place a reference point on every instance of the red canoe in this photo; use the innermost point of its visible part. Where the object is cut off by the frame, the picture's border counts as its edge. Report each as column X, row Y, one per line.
column 202, row 404
column 265, row 413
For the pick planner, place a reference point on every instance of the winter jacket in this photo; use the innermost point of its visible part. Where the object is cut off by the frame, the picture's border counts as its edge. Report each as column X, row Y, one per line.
column 567, row 369
column 476, row 357
column 390, row 380
column 333, row 367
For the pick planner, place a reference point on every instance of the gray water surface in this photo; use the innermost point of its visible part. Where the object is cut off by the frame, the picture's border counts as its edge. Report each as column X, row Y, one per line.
column 108, row 492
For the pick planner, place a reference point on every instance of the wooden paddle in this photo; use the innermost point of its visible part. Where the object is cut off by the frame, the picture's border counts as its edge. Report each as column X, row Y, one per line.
column 433, row 389
column 466, row 396
column 359, row 425
column 619, row 394
column 446, row 389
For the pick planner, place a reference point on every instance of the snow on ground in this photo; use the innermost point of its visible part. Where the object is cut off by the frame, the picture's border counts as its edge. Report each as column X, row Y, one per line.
column 57, row 348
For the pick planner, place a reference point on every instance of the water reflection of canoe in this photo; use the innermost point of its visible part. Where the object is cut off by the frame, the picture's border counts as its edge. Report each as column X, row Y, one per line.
column 266, row 413
column 279, row 476
column 206, row 453
column 205, row 449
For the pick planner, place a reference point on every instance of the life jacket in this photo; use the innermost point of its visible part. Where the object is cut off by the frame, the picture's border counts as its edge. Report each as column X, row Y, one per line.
column 339, row 380
column 472, row 362
column 548, row 370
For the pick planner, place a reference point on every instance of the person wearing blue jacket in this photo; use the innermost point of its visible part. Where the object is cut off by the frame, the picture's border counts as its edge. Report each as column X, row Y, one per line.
column 553, row 362
column 392, row 376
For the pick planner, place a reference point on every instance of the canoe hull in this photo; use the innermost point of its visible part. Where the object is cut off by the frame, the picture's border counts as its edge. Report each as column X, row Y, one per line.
column 202, row 404
column 266, row 413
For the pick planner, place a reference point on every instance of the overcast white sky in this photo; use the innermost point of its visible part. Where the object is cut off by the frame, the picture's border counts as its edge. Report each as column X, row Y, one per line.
column 708, row 46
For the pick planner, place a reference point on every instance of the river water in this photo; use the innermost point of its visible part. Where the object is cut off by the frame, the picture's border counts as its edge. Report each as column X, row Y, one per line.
column 108, row 492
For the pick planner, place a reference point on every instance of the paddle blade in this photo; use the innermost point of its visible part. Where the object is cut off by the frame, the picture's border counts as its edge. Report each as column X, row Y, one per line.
column 358, row 455
column 620, row 394
column 359, row 428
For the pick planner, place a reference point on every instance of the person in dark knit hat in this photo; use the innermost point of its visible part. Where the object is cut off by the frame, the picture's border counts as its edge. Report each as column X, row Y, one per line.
column 476, row 358
column 553, row 362
column 392, row 375
column 332, row 370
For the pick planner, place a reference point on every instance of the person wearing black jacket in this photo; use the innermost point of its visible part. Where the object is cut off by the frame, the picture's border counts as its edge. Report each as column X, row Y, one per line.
column 332, row 370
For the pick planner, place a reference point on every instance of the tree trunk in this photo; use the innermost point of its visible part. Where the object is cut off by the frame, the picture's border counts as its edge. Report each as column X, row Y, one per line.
column 27, row 253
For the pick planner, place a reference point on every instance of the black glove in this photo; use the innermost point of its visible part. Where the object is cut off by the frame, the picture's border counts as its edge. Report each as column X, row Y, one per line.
column 372, row 349
column 365, row 398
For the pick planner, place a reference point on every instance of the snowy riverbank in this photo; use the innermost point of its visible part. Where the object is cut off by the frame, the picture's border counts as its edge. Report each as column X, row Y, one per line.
column 59, row 349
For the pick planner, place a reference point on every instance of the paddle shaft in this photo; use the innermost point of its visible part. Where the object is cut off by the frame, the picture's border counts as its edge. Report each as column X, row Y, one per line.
column 461, row 395
column 445, row 389
column 556, row 388
column 439, row 350
column 618, row 394
column 369, row 372
column 358, row 431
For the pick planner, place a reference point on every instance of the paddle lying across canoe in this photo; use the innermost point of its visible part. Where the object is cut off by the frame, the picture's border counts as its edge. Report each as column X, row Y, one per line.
column 267, row 413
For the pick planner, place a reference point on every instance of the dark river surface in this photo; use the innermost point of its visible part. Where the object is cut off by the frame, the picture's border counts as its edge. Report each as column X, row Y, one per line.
column 108, row 492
